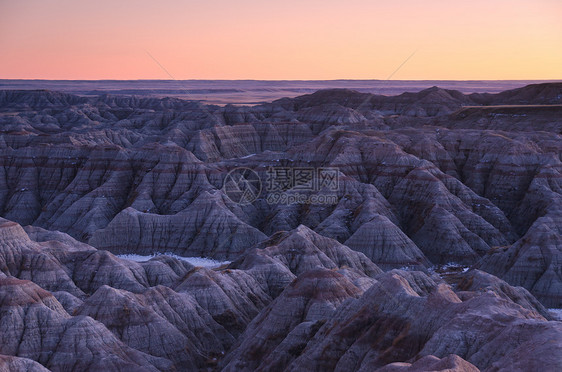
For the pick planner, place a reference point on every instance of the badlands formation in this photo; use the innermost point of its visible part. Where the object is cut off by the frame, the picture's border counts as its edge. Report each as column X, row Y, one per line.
column 440, row 247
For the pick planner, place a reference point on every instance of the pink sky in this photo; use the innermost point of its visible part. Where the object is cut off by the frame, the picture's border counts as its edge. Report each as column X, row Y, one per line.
column 271, row 39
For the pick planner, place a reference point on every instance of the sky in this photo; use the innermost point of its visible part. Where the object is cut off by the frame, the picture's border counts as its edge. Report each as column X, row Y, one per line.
column 281, row 40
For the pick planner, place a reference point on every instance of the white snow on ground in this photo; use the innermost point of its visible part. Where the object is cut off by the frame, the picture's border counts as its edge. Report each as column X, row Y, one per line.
column 449, row 267
column 195, row 261
column 556, row 313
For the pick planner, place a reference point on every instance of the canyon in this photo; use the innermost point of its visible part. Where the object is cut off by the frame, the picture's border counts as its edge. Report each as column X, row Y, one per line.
column 440, row 247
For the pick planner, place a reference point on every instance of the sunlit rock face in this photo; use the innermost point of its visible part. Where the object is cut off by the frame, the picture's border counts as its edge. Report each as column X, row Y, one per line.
column 439, row 247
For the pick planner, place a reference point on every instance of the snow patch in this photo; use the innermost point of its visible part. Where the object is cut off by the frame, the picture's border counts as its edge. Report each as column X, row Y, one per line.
column 449, row 268
column 195, row 261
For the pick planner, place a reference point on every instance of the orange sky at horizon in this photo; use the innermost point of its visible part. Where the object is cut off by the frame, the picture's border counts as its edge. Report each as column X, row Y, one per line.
column 273, row 40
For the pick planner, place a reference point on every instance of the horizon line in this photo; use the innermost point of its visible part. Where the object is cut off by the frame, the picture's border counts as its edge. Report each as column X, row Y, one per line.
column 278, row 80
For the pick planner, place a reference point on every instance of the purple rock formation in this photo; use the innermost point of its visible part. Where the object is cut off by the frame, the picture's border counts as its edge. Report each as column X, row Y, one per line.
column 423, row 179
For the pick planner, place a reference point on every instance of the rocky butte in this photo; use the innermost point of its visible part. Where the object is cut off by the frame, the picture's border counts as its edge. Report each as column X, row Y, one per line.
column 440, row 248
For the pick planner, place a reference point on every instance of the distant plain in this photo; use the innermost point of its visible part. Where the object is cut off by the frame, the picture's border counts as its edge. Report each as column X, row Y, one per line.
column 250, row 92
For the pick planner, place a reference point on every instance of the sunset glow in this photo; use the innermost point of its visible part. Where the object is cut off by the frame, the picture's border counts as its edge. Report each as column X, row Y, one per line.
column 250, row 39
